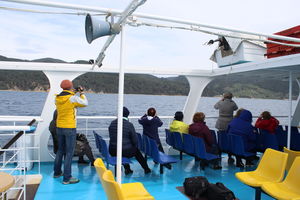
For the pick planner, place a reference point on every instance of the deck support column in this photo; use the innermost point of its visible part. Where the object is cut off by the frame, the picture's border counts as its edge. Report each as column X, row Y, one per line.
column 197, row 85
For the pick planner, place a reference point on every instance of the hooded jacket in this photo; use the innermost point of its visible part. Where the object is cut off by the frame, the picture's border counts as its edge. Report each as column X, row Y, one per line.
column 66, row 104
column 179, row 126
column 150, row 126
column 242, row 126
column 199, row 129
column 267, row 124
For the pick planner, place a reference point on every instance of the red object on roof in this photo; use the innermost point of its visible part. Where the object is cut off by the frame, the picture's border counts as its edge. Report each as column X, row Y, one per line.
column 276, row 50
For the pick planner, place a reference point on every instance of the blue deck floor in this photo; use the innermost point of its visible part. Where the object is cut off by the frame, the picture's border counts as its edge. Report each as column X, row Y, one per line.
column 162, row 187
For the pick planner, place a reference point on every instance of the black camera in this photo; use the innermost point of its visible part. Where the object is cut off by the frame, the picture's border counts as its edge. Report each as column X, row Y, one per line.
column 79, row 89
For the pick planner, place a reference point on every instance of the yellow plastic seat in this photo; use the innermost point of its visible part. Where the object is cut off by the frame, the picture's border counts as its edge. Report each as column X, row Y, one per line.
column 271, row 168
column 291, row 157
column 126, row 191
column 289, row 189
column 100, row 168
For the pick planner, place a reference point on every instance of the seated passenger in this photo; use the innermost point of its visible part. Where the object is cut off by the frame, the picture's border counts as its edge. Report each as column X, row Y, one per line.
column 178, row 125
column 151, row 123
column 129, row 142
column 267, row 122
column 199, row 129
column 241, row 125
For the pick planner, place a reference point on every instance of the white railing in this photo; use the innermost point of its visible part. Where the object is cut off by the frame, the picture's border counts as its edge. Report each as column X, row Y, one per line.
column 15, row 160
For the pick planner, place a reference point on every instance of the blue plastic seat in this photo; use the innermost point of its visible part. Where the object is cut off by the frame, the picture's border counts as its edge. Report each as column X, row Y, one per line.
column 169, row 138
column 140, row 142
column 147, row 149
column 178, row 143
column 160, row 157
column 237, row 146
column 200, row 150
column 213, row 133
column 281, row 136
column 295, row 139
column 97, row 140
column 188, row 144
column 223, row 141
column 269, row 140
column 110, row 160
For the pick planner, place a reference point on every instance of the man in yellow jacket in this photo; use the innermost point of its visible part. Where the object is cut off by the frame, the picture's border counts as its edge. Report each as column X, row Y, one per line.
column 66, row 103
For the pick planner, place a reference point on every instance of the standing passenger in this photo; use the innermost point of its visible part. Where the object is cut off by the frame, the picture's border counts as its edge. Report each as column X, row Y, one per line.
column 226, row 106
column 178, row 125
column 66, row 104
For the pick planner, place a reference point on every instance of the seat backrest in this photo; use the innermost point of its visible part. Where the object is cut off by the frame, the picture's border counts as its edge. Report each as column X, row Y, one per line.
column 272, row 165
column 293, row 177
column 291, row 157
column 178, row 140
column 154, row 149
column 213, row 133
column 269, row 140
column 104, row 149
column 100, row 168
column 140, row 142
column 237, row 144
column 111, row 187
column 200, row 150
column 97, row 140
column 146, row 145
column 188, row 144
column 223, row 141
column 169, row 138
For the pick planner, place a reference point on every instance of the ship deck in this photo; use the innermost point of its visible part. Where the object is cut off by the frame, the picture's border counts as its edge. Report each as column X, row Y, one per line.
column 161, row 186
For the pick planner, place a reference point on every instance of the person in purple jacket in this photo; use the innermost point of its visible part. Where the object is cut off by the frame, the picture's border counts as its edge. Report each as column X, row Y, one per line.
column 199, row 129
column 242, row 125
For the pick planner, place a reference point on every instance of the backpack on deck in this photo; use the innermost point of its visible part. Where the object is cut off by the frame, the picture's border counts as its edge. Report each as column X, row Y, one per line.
column 195, row 186
column 218, row 191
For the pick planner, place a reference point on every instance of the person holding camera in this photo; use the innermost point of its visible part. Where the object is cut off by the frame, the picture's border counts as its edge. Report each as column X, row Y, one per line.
column 226, row 106
column 66, row 103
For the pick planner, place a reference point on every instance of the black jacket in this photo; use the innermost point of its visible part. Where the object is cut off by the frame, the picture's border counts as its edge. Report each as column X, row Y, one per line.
column 129, row 135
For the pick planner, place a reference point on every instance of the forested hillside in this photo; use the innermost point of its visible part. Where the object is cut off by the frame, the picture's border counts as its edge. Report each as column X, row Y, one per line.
column 145, row 84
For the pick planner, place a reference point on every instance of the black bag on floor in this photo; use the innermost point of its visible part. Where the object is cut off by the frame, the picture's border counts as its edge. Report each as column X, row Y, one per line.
column 195, row 186
column 218, row 191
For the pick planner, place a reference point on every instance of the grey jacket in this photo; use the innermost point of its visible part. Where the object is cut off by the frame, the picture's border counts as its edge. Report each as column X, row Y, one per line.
column 226, row 108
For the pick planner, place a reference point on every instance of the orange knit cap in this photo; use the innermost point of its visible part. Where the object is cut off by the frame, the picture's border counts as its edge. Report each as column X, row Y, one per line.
column 66, row 84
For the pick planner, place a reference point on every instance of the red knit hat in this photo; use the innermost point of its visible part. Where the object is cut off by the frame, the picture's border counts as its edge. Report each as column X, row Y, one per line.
column 66, row 84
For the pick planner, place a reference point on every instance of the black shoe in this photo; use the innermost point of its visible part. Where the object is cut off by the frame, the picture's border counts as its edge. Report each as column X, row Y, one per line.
column 147, row 171
column 202, row 165
column 256, row 158
column 217, row 167
column 83, row 162
column 230, row 160
column 128, row 171
column 155, row 163
column 92, row 163
column 249, row 163
column 168, row 166
column 240, row 164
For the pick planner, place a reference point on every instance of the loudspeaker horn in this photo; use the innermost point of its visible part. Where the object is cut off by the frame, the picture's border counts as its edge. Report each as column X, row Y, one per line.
column 95, row 28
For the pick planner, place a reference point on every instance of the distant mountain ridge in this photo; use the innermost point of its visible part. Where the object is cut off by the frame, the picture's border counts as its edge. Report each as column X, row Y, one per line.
column 143, row 83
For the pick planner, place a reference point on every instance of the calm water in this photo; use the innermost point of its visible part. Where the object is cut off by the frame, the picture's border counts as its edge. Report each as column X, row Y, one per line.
column 31, row 103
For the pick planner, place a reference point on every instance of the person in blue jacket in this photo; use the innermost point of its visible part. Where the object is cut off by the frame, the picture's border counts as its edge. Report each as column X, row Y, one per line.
column 242, row 125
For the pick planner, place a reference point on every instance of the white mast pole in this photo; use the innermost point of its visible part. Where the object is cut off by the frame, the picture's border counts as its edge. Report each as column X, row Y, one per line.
column 120, row 108
column 290, row 111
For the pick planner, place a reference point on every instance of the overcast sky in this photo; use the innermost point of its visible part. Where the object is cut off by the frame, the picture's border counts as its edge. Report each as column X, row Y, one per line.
column 32, row 36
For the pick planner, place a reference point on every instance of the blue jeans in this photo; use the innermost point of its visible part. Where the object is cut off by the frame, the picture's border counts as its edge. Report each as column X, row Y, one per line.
column 66, row 147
